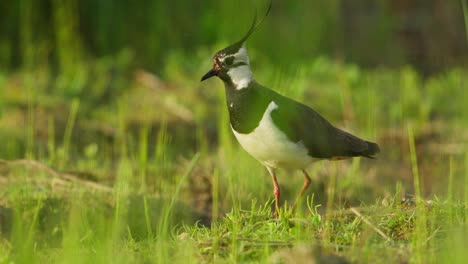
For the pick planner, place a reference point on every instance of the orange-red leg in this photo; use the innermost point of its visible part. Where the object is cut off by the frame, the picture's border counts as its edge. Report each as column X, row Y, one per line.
column 305, row 185
column 276, row 189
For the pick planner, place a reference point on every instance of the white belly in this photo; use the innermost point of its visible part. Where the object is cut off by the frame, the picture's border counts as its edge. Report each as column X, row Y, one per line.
column 271, row 147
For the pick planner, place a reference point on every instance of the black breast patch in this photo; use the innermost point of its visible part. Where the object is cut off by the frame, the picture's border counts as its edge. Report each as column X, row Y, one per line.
column 246, row 106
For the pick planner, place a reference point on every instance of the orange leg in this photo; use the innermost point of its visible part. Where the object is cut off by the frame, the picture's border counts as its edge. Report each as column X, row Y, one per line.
column 276, row 189
column 305, row 185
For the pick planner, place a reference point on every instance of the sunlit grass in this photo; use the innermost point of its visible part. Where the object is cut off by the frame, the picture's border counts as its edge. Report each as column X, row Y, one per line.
column 140, row 194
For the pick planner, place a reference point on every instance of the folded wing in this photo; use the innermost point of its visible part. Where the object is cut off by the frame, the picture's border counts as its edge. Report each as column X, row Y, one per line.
column 301, row 123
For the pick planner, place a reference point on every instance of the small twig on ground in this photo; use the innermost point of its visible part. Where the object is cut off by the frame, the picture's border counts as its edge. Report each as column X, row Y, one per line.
column 369, row 223
column 431, row 236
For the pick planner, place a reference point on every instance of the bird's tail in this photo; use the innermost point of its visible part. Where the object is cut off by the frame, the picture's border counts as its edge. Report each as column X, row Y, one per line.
column 372, row 149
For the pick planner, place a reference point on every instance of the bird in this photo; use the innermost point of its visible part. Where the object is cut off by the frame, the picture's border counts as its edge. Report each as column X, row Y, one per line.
column 279, row 132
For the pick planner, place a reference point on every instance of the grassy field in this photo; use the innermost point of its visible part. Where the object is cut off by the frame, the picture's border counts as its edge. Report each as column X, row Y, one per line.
column 105, row 160
column 156, row 175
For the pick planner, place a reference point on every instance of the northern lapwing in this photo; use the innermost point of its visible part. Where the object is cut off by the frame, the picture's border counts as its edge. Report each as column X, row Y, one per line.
column 276, row 130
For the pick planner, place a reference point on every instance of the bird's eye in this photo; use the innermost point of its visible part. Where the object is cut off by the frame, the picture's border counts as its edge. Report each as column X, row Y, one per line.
column 228, row 61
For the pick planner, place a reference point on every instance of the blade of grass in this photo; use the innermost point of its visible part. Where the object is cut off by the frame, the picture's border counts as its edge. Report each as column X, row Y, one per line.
column 167, row 211
column 147, row 217
column 414, row 163
column 420, row 231
column 175, row 195
column 465, row 16
column 143, row 156
column 466, row 186
column 450, row 191
column 30, row 115
column 51, row 140
column 215, row 194
column 68, row 131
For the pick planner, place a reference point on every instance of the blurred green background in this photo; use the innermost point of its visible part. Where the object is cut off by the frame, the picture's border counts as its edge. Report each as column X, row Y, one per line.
column 426, row 34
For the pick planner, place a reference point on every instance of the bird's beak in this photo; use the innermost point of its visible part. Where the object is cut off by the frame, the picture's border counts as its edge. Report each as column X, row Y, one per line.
column 211, row 73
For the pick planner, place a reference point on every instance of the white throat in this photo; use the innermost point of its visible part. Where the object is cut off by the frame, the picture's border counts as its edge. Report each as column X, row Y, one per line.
column 241, row 76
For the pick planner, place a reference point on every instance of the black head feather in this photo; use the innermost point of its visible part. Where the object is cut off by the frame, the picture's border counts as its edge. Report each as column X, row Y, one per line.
column 219, row 67
column 234, row 48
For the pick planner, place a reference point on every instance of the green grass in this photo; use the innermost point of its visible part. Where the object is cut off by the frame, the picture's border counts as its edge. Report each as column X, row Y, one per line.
column 103, row 161
column 142, row 178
